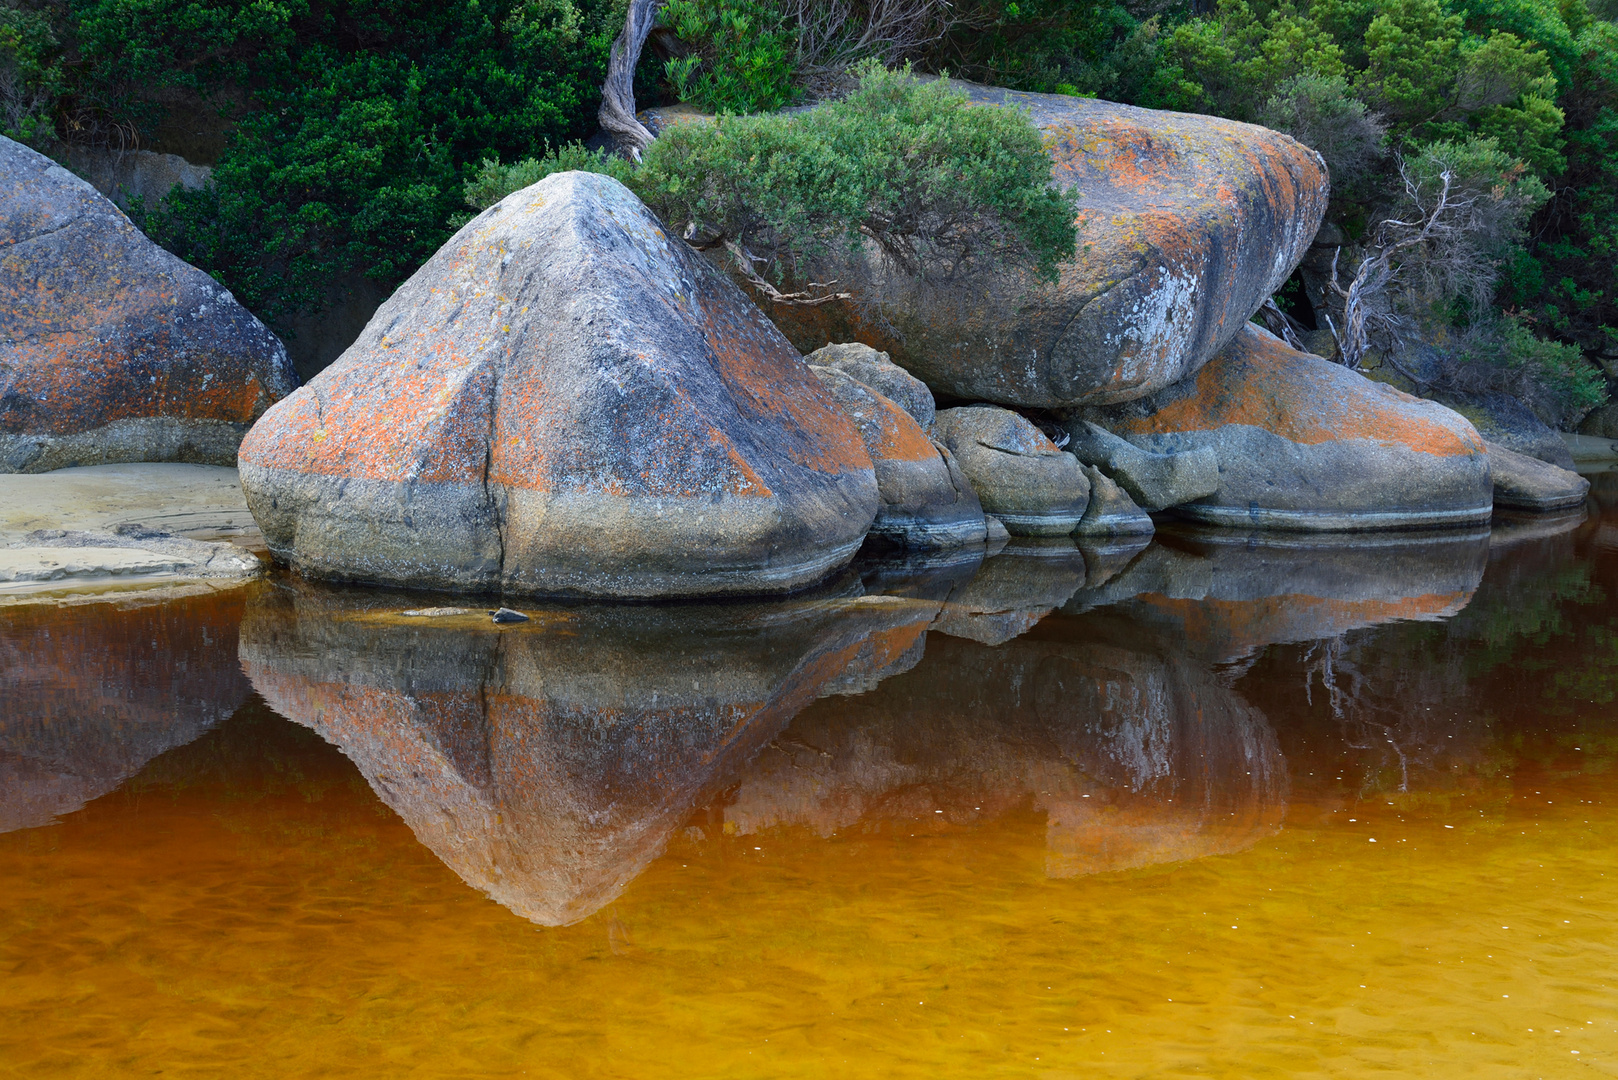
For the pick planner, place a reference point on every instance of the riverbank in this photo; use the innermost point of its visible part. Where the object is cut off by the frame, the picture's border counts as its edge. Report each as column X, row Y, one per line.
column 83, row 532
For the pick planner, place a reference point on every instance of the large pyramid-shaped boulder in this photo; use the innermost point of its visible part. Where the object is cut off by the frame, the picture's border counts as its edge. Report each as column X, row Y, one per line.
column 1185, row 225
column 564, row 400
column 112, row 349
column 1304, row 443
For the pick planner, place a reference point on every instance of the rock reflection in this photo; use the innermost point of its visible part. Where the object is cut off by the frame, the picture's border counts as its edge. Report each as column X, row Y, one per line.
column 1137, row 756
column 547, row 762
column 90, row 693
column 1227, row 595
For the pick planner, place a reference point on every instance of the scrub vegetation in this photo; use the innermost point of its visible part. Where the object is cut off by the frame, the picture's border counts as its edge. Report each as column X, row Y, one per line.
column 351, row 131
column 945, row 191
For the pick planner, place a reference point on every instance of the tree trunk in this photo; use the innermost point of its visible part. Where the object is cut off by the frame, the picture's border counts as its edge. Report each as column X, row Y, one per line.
column 617, row 113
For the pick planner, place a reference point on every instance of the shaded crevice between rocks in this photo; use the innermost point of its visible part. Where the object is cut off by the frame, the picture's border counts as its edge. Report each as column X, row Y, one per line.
column 496, row 514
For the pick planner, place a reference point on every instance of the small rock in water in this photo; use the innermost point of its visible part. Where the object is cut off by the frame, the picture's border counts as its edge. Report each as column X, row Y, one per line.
column 435, row 612
column 505, row 615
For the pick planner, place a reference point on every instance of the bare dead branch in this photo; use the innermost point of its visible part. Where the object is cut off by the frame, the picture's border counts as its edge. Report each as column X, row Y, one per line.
column 617, row 114
column 1280, row 324
column 744, row 261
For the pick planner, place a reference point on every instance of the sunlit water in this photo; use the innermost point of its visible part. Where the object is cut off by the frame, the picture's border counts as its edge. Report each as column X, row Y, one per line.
column 1217, row 808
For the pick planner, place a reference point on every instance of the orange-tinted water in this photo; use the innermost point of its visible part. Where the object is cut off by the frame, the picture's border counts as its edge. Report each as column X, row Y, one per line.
column 1133, row 840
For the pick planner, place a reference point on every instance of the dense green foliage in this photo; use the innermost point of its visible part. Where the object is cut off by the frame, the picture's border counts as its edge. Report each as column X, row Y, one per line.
column 353, row 124
column 1520, row 95
column 742, row 58
column 30, row 74
column 947, row 191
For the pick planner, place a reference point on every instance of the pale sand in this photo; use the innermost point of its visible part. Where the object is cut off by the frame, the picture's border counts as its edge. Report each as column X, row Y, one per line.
column 73, row 533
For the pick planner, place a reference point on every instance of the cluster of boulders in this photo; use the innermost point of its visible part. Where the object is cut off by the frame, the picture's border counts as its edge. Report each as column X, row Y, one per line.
column 568, row 399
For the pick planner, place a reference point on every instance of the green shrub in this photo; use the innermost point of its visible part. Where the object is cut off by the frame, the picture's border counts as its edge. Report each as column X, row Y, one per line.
column 743, row 61
column 495, row 181
column 947, row 191
column 364, row 122
column 1321, row 112
column 1505, row 356
column 31, row 76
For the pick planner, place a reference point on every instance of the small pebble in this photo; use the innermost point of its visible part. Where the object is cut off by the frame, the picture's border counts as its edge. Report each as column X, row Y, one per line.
column 505, row 615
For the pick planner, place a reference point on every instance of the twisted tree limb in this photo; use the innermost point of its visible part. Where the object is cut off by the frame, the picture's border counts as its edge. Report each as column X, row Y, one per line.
column 617, row 115
column 744, row 261
column 1280, row 324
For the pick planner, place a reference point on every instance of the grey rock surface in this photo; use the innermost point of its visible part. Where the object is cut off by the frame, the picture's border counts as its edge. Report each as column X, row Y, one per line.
column 112, row 349
column 1019, row 474
column 1186, row 224
column 1305, row 444
column 72, row 534
column 1111, row 511
column 564, row 400
column 881, row 374
column 1153, row 481
column 124, row 174
column 926, row 499
column 1505, row 421
column 1528, row 483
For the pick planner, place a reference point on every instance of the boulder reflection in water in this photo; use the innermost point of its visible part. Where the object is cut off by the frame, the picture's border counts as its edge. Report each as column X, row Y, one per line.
column 94, row 691
column 1227, row 595
column 547, row 762
column 1136, row 756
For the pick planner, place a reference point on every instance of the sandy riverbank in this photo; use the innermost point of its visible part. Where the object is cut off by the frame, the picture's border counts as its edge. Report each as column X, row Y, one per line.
column 77, row 533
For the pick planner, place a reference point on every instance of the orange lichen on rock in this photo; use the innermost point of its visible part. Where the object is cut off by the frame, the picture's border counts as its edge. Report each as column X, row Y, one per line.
column 1260, row 382
column 112, row 349
column 564, row 400
column 1186, row 224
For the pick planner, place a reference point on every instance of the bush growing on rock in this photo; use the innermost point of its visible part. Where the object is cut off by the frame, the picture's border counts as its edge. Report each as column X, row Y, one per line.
column 905, row 170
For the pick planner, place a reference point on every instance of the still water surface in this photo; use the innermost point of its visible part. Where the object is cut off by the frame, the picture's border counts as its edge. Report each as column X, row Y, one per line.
column 1221, row 807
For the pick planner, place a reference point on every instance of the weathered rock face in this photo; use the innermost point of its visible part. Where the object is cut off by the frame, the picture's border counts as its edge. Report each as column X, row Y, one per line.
column 547, row 762
column 112, row 349
column 1019, row 474
column 564, row 400
column 1111, row 511
column 93, row 692
column 1186, row 224
column 926, row 499
column 1505, row 421
column 1527, row 483
column 1307, row 444
column 1154, row 481
column 881, row 374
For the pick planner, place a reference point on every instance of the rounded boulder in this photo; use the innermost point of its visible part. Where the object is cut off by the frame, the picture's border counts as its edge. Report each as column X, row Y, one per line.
column 1307, row 444
column 1020, row 476
column 564, row 400
column 111, row 349
column 927, row 501
column 1185, row 223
